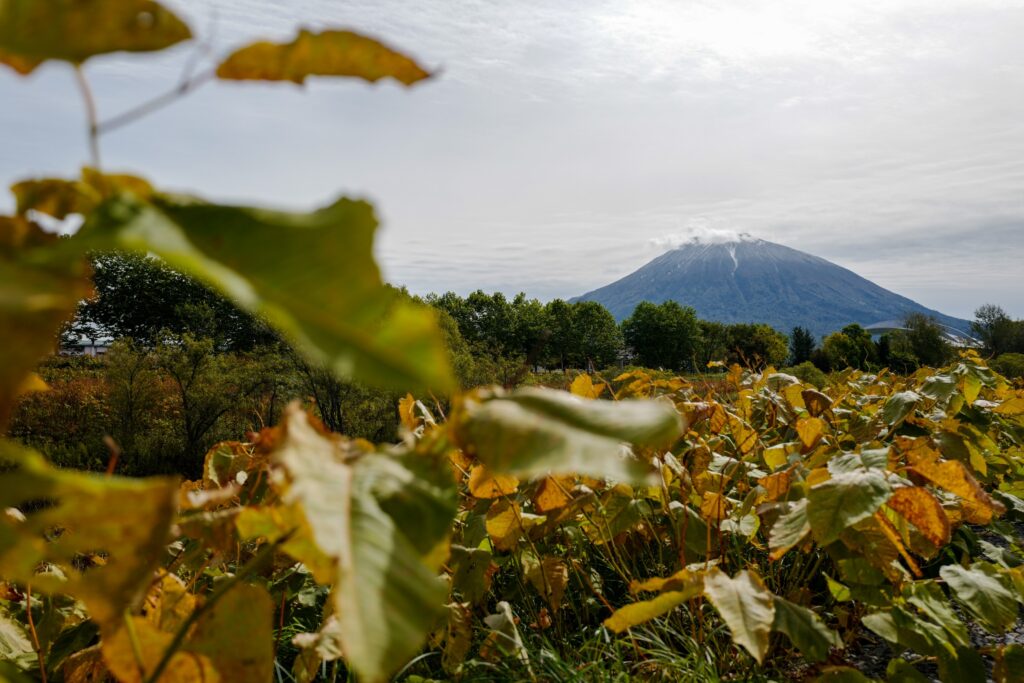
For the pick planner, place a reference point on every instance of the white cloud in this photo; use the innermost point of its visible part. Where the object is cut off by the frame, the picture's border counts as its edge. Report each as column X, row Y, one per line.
column 564, row 142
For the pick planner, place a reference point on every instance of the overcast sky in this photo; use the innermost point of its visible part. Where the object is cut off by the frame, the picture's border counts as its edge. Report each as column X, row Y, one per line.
column 564, row 144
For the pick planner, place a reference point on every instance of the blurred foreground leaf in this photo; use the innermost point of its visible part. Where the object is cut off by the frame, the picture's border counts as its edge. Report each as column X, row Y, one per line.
column 32, row 31
column 310, row 274
column 328, row 53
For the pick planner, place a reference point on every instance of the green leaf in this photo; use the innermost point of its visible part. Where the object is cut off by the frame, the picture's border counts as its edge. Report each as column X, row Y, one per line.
column 643, row 611
column 32, row 31
column 983, row 594
column 1009, row 666
column 310, row 274
column 898, row 406
column 928, row 597
column 373, row 529
column 789, row 529
column 805, row 629
column 747, row 607
column 967, row 665
column 841, row 674
column 901, row 671
column 15, row 646
column 843, row 501
column 533, row 432
column 127, row 520
column 328, row 53
column 470, row 575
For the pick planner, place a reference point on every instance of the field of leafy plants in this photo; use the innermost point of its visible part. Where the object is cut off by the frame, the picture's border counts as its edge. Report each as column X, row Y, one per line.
column 636, row 527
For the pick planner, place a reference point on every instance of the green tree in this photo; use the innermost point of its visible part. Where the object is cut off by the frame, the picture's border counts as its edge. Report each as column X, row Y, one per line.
column 850, row 347
column 997, row 331
column 139, row 297
column 598, row 340
column 801, row 345
column 714, row 343
column 663, row 335
column 756, row 345
column 207, row 386
column 561, row 324
column 926, row 340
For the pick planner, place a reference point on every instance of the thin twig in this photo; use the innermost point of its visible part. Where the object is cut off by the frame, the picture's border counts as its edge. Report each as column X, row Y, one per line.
column 32, row 631
column 90, row 112
column 250, row 567
column 159, row 102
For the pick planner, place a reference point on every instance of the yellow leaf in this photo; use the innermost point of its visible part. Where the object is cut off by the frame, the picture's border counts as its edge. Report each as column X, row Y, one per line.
column 1012, row 406
column 550, row 577
column 128, row 520
column 889, row 531
column 233, row 641
column 640, row 612
column 810, row 430
column 34, row 31
column 682, row 580
column 923, row 510
column 816, row 402
column 794, row 395
column 775, row 456
column 776, row 485
column 407, row 412
column 503, row 524
column 979, row 507
column 744, row 437
column 553, row 493
column 817, row 476
column 714, row 506
column 483, row 484
column 584, row 387
column 328, row 53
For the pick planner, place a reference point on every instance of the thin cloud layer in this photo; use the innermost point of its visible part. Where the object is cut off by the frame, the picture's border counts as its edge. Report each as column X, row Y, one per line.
column 562, row 142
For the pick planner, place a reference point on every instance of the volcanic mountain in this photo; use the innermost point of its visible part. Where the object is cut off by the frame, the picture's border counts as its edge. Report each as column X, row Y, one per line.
column 752, row 280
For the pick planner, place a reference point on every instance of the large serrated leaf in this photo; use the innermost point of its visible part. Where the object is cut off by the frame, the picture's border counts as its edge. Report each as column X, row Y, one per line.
column 747, row 607
column 805, row 629
column 368, row 525
column 843, row 501
column 312, row 275
column 983, row 594
column 32, row 31
column 533, row 432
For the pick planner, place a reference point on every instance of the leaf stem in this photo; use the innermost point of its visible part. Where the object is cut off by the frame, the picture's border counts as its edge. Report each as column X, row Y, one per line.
column 32, row 631
column 247, row 570
column 159, row 102
column 90, row 112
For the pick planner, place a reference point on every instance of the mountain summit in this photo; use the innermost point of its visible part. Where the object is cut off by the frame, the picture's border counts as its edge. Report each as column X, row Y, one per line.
column 746, row 279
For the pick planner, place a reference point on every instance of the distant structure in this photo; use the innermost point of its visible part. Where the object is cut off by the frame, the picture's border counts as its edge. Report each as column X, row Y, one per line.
column 86, row 346
column 953, row 336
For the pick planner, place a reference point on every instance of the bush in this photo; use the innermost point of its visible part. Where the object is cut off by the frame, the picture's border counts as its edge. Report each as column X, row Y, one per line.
column 1010, row 365
column 808, row 373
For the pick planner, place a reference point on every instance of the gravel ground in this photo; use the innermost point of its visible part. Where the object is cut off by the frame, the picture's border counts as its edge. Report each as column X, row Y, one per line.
column 872, row 654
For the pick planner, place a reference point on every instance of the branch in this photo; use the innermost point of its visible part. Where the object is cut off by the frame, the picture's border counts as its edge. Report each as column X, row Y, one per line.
column 159, row 102
column 90, row 112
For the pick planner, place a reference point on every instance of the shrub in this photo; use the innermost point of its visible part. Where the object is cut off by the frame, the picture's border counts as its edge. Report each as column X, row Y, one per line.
column 807, row 373
column 1010, row 365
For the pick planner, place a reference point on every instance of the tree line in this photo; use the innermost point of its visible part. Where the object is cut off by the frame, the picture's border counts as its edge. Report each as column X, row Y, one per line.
column 494, row 337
